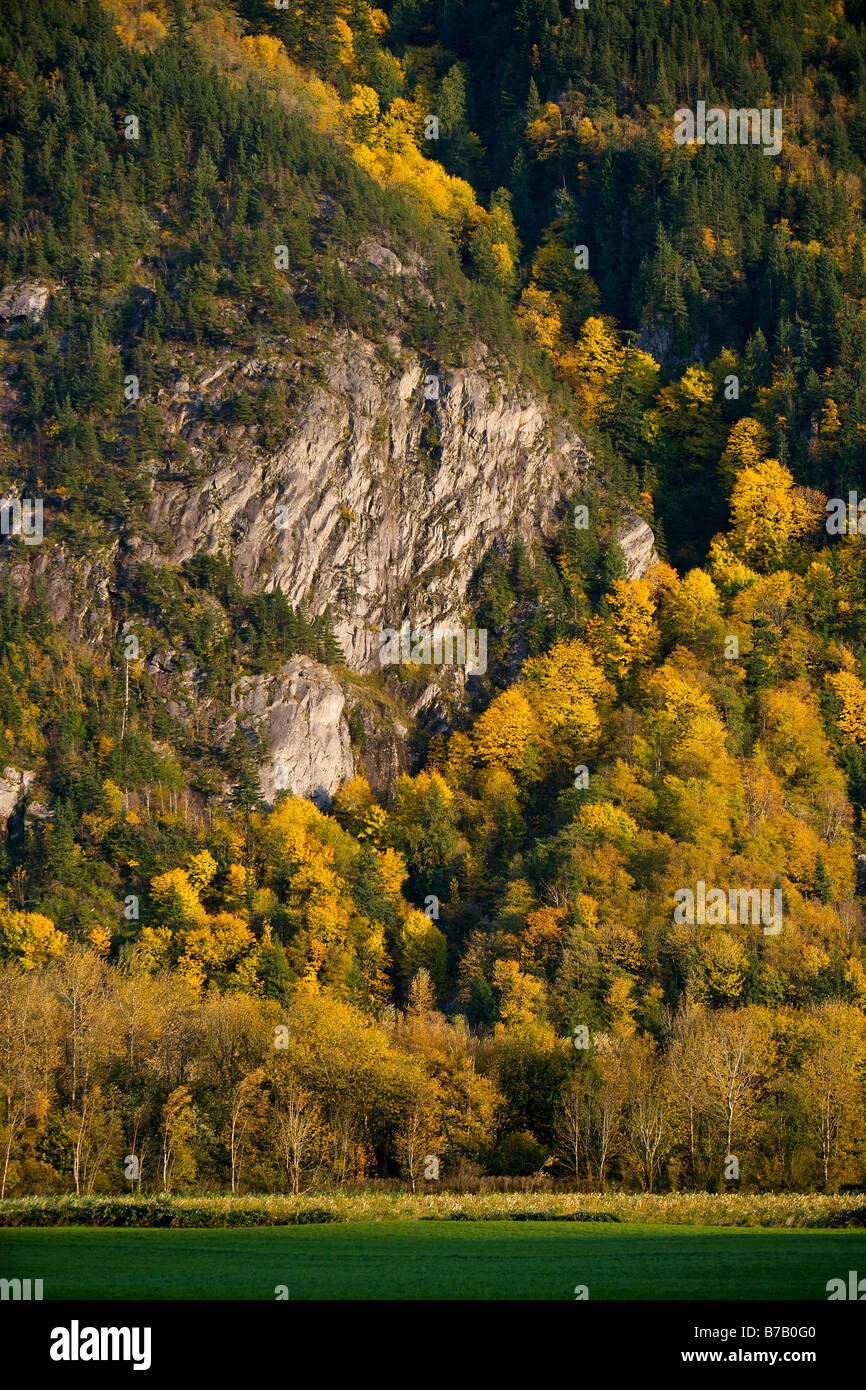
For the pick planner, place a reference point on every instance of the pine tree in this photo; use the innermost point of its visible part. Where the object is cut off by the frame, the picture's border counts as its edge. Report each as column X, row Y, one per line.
column 329, row 649
column 614, row 567
column 179, row 25
column 522, row 579
column 822, row 887
column 11, row 624
column 246, row 794
column 533, row 102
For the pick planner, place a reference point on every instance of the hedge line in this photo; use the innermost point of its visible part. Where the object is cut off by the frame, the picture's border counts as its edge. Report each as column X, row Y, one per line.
column 215, row 1211
column 154, row 1211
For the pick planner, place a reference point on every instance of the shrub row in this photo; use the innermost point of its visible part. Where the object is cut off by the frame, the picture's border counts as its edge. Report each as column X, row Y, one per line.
column 155, row 1211
column 218, row 1210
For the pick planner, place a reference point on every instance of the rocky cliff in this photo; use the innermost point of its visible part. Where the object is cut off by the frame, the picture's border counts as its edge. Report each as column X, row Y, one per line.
column 638, row 544
column 299, row 714
column 392, row 483
column 377, row 501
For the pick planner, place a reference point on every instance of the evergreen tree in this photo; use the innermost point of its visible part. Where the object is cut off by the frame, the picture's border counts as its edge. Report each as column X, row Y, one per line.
column 823, row 888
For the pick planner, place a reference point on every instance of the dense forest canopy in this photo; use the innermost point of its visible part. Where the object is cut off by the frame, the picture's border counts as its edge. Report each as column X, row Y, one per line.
column 488, row 964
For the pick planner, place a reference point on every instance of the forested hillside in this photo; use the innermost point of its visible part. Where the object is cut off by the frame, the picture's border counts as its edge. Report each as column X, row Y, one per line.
column 244, row 222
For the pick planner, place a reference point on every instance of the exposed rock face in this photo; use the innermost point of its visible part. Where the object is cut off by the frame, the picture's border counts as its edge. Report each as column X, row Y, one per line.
column 77, row 587
column 300, row 715
column 638, row 543
column 380, row 739
column 380, row 257
column 378, row 501
column 657, row 339
column 13, row 786
column 361, row 508
column 23, row 299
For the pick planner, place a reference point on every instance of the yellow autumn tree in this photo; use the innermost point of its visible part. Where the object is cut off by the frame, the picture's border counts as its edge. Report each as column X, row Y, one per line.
column 691, row 612
column 392, row 866
column 592, row 366
column 100, row 939
column 141, row 24
column 201, row 871
column 746, row 448
column 237, row 887
column 602, row 821
column 541, row 943
column 545, row 130
column 353, row 803
column 563, row 688
column 504, row 731
column 223, row 950
column 310, row 861
column 768, row 514
column 623, row 1007
column 422, row 946
column 680, row 698
column 521, row 996
column 361, row 114
column 627, row 636
column 830, row 423
column 849, row 690
column 345, row 43
column 683, row 732
column 31, row 938
column 722, row 966
column 539, row 314
column 266, row 52
column 177, row 900
column 357, row 809
column 729, row 571
column 794, row 738
column 386, row 145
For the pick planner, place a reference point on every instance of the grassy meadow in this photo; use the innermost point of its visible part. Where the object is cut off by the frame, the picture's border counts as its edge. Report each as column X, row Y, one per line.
column 395, row 1245
column 409, row 1260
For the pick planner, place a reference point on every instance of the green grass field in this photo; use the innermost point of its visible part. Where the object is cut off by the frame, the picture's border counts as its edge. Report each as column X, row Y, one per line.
column 433, row 1260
